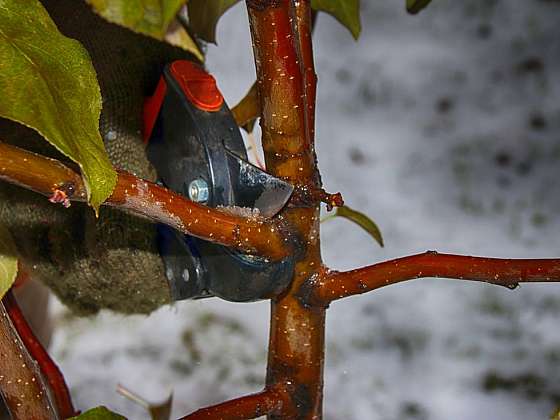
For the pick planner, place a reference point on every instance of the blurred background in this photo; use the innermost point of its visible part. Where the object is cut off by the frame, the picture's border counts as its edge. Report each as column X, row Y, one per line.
column 445, row 129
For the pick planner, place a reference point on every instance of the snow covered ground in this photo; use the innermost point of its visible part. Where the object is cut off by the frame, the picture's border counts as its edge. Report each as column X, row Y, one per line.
column 444, row 128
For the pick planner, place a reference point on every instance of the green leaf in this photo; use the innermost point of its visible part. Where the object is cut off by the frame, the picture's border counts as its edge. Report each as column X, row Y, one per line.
column 98, row 413
column 204, row 15
column 8, row 261
column 415, row 6
column 177, row 35
column 150, row 17
column 155, row 18
column 48, row 83
column 346, row 12
column 361, row 220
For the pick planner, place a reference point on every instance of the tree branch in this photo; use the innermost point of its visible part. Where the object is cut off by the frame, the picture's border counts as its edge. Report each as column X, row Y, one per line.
column 57, row 181
column 47, row 366
column 286, row 86
column 21, row 383
column 247, row 407
column 502, row 272
column 281, row 34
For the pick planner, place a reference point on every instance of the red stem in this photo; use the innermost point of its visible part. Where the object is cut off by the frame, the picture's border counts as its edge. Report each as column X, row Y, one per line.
column 22, row 384
column 246, row 407
column 502, row 272
column 48, row 367
column 302, row 28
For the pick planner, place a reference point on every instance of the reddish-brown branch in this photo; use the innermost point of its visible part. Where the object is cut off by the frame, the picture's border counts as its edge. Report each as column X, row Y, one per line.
column 21, row 383
column 503, row 272
column 252, row 406
column 47, row 366
column 286, row 80
column 286, row 86
column 302, row 28
column 53, row 179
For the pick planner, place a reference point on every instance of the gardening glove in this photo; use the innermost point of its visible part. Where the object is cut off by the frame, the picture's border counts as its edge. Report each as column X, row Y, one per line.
column 110, row 262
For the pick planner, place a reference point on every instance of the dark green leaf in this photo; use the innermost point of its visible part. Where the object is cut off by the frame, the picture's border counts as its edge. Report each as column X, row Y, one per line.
column 98, row 413
column 361, row 220
column 48, row 83
column 346, row 12
column 204, row 15
column 150, row 17
column 415, row 6
column 8, row 261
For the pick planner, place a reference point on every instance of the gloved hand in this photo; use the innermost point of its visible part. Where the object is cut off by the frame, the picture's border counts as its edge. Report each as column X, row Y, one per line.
column 111, row 262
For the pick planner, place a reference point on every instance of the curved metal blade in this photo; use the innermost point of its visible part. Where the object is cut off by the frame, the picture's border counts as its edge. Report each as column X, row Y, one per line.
column 258, row 189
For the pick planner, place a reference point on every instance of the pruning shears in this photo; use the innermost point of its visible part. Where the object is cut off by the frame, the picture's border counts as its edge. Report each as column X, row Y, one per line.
column 198, row 151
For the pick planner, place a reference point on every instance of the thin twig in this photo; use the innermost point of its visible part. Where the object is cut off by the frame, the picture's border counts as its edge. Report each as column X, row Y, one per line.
column 502, row 272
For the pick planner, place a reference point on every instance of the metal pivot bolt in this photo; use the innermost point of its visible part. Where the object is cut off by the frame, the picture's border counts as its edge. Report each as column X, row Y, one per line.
column 198, row 191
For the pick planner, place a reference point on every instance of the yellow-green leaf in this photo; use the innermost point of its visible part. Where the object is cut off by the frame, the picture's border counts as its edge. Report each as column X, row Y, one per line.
column 247, row 110
column 178, row 36
column 8, row 261
column 150, row 17
column 204, row 15
column 47, row 82
column 415, row 6
column 98, row 413
column 346, row 12
column 361, row 220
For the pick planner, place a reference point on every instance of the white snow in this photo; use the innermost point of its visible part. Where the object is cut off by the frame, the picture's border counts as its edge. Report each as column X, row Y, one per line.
column 424, row 124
